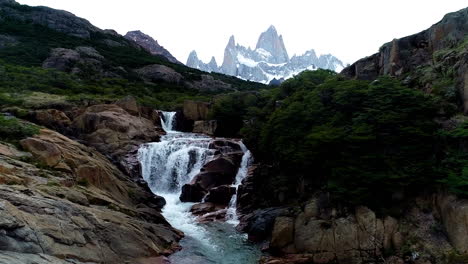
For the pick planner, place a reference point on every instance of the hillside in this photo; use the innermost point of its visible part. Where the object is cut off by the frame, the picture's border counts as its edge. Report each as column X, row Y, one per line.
column 51, row 51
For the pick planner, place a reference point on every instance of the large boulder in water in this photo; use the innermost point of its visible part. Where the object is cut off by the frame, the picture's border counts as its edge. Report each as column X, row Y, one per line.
column 192, row 193
column 221, row 195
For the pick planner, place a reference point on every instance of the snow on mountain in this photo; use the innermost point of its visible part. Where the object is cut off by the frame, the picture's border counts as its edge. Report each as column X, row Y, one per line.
column 269, row 61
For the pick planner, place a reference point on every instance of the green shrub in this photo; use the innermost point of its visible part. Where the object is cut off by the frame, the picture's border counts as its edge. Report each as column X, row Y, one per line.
column 12, row 129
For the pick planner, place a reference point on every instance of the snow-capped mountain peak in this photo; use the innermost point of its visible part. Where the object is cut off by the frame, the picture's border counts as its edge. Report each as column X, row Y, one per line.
column 268, row 61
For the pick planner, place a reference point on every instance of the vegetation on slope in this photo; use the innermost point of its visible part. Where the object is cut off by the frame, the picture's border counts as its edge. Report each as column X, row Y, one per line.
column 364, row 142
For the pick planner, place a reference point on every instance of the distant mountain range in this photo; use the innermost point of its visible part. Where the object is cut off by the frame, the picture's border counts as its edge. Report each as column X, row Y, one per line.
column 268, row 62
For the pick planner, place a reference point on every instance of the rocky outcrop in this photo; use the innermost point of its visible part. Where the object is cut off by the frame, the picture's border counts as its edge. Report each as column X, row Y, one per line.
column 205, row 127
column 150, row 44
column 209, row 84
column 196, row 110
column 115, row 133
column 160, row 73
column 213, row 185
column 319, row 233
column 58, row 20
column 81, row 60
column 220, row 171
column 454, row 215
column 71, row 203
column 424, row 58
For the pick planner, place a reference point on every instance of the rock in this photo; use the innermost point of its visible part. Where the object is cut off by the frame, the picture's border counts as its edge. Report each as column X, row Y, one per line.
column 150, row 44
column 57, row 20
column 159, row 73
column 260, row 223
column 220, row 195
column 454, row 214
column 283, row 232
column 220, row 171
column 209, row 84
column 81, row 61
column 10, row 151
column 129, row 104
column 196, row 110
column 52, row 118
column 62, row 60
column 192, row 193
column 205, row 127
column 225, row 146
column 62, row 216
column 437, row 50
column 115, row 133
column 61, row 153
column 205, row 208
column 8, row 257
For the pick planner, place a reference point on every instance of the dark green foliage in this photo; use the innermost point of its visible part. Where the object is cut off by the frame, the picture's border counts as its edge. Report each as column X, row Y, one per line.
column 363, row 142
column 454, row 162
column 12, row 130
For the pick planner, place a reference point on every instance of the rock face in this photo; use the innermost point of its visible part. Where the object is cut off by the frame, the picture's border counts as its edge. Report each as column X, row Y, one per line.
column 268, row 61
column 454, row 214
column 440, row 49
column 205, row 127
column 196, row 110
column 116, row 133
column 58, row 20
column 160, row 73
column 213, row 185
column 76, row 206
column 150, row 44
column 81, row 60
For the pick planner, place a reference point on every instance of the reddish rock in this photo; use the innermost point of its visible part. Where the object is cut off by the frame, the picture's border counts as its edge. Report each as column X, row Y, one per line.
column 221, row 195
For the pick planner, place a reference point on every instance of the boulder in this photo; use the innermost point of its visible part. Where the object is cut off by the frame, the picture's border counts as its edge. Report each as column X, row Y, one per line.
column 205, row 208
column 454, row 215
column 283, row 232
column 205, row 127
column 225, row 146
column 129, row 104
column 192, row 193
column 221, row 195
column 115, row 133
column 194, row 110
column 52, row 118
column 159, row 73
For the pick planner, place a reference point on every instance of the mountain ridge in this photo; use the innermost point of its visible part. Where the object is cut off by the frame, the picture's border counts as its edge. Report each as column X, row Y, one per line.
column 268, row 61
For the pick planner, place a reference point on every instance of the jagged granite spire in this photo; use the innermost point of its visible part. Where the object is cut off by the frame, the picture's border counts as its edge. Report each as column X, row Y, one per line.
column 267, row 62
column 229, row 65
column 274, row 44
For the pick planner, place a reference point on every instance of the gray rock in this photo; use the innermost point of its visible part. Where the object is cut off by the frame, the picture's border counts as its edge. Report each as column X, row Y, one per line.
column 150, row 44
column 157, row 73
column 58, row 20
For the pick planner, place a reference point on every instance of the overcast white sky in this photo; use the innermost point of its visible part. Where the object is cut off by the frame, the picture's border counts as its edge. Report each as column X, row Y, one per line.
column 349, row 29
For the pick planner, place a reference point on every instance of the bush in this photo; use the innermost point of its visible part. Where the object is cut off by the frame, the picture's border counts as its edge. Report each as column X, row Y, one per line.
column 12, row 130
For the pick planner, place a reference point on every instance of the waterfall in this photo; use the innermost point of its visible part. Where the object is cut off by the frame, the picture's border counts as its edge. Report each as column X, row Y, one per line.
column 168, row 120
column 247, row 159
column 174, row 161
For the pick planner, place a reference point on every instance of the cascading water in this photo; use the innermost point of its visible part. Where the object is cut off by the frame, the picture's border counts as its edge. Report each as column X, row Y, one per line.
column 173, row 162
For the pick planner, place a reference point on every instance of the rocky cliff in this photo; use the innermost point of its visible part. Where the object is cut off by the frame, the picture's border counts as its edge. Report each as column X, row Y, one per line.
column 433, row 60
column 268, row 61
column 65, row 201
